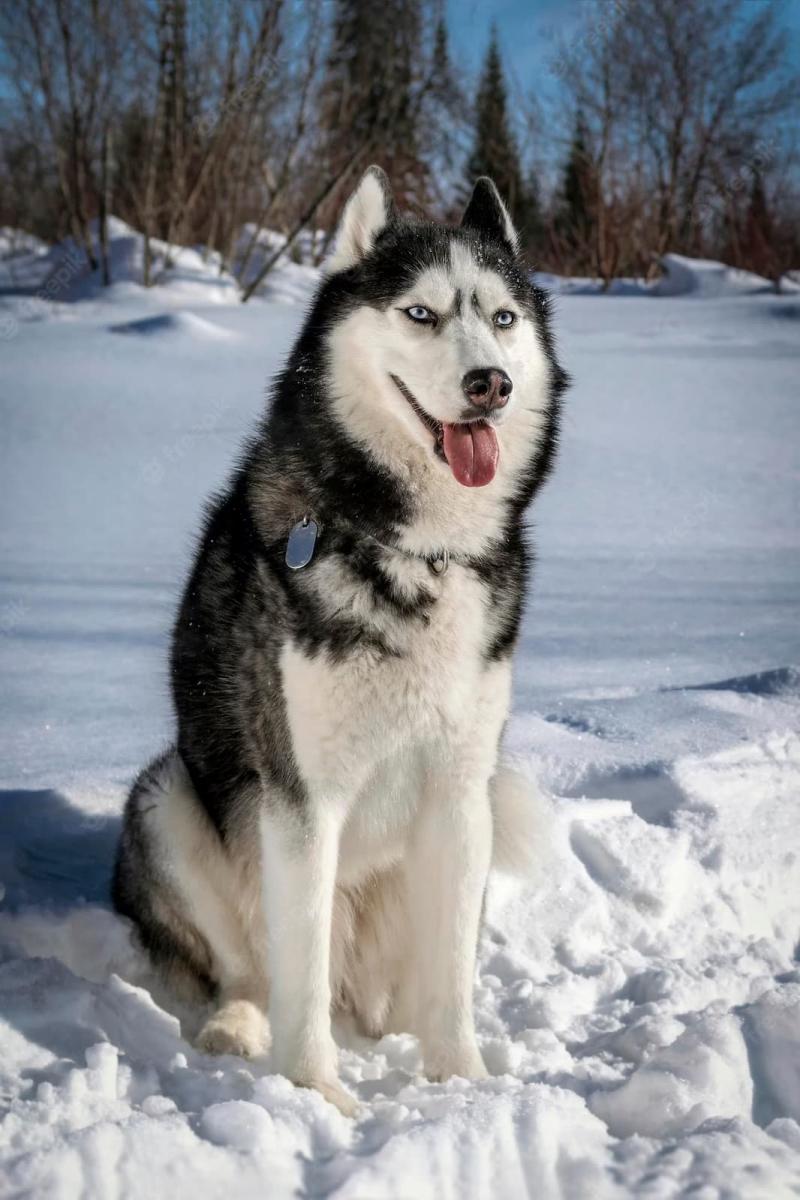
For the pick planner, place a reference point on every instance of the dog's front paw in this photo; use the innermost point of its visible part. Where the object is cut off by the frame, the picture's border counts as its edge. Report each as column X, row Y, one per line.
column 334, row 1093
column 465, row 1062
column 313, row 1063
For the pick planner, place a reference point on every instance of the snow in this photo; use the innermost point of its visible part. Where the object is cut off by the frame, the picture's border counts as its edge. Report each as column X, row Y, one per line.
column 171, row 325
column 53, row 277
column 680, row 276
column 587, row 285
column 639, row 1008
column 697, row 276
column 182, row 274
column 21, row 257
column 293, row 280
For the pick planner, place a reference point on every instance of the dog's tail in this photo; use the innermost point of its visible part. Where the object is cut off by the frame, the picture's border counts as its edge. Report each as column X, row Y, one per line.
column 523, row 825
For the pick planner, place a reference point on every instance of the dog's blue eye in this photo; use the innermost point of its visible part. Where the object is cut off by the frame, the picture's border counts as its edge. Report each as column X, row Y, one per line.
column 423, row 315
column 504, row 318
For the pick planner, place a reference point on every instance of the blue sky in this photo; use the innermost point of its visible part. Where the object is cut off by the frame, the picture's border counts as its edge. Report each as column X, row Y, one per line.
column 528, row 28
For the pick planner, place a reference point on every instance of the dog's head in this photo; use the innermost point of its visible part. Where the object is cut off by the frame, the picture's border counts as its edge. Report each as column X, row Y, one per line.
column 440, row 340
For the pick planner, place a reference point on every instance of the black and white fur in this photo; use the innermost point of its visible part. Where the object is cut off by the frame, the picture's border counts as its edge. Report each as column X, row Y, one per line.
column 321, row 835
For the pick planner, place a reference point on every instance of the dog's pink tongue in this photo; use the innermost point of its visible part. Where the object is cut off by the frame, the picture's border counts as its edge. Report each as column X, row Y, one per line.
column 472, row 452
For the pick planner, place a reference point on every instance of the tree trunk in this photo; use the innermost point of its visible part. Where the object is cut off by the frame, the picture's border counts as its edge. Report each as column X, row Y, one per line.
column 105, row 204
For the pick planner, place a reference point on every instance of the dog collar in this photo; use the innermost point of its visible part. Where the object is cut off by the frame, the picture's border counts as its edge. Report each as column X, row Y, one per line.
column 302, row 543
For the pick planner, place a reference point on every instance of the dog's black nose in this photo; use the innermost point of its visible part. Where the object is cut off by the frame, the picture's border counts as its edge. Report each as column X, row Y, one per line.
column 487, row 388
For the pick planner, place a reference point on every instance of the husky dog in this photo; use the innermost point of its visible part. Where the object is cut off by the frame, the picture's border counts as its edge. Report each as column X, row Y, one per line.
column 320, row 836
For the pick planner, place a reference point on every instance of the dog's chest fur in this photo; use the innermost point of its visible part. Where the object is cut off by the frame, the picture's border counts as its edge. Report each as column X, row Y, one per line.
column 367, row 725
column 420, row 659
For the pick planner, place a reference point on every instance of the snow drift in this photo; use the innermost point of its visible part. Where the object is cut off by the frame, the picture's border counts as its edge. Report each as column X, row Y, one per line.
column 182, row 275
column 704, row 277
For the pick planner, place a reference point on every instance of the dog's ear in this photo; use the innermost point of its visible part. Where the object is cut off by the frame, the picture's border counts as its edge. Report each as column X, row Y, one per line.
column 369, row 210
column 487, row 215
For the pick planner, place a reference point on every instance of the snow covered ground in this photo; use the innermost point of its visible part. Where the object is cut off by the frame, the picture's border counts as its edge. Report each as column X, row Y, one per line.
column 680, row 276
column 639, row 1009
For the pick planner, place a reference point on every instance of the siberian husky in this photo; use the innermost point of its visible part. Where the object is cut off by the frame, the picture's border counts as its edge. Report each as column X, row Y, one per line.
column 320, row 836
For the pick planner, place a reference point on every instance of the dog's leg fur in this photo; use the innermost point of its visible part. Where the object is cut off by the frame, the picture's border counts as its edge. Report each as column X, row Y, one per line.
column 299, row 879
column 175, row 877
column 376, row 962
column 204, row 876
column 447, row 868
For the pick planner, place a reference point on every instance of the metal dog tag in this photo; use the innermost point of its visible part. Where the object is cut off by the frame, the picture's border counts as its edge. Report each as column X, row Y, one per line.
column 439, row 565
column 301, row 544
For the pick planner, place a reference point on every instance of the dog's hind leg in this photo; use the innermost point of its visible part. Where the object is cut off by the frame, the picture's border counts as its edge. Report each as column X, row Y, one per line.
column 177, row 882
column 373, row 965
column 523, row 824
column 239, row 1025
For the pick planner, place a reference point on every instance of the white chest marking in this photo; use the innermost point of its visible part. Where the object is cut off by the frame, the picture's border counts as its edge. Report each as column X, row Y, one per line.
column 349, row 716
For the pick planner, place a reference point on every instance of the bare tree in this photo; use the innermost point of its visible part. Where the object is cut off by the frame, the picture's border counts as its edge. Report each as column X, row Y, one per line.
column 293, row 142
column 677, row 96
column 593, row 72
column 64, row 56
column 209, row 122
column 706, row 81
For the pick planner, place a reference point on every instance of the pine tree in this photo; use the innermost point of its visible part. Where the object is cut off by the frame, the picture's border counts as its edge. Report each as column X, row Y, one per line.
column 368, row 93
column 575, row 214
column 574, row 218
column 444, row 89
column 529, row 218
column 440, row 119
column 495, row 152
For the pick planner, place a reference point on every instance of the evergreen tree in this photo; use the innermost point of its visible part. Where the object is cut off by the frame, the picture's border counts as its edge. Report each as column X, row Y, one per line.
column 369, row 93
column 495, row 152
column 445, row 91
column 574, row 216
column 529, row 218
column 440, row 120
